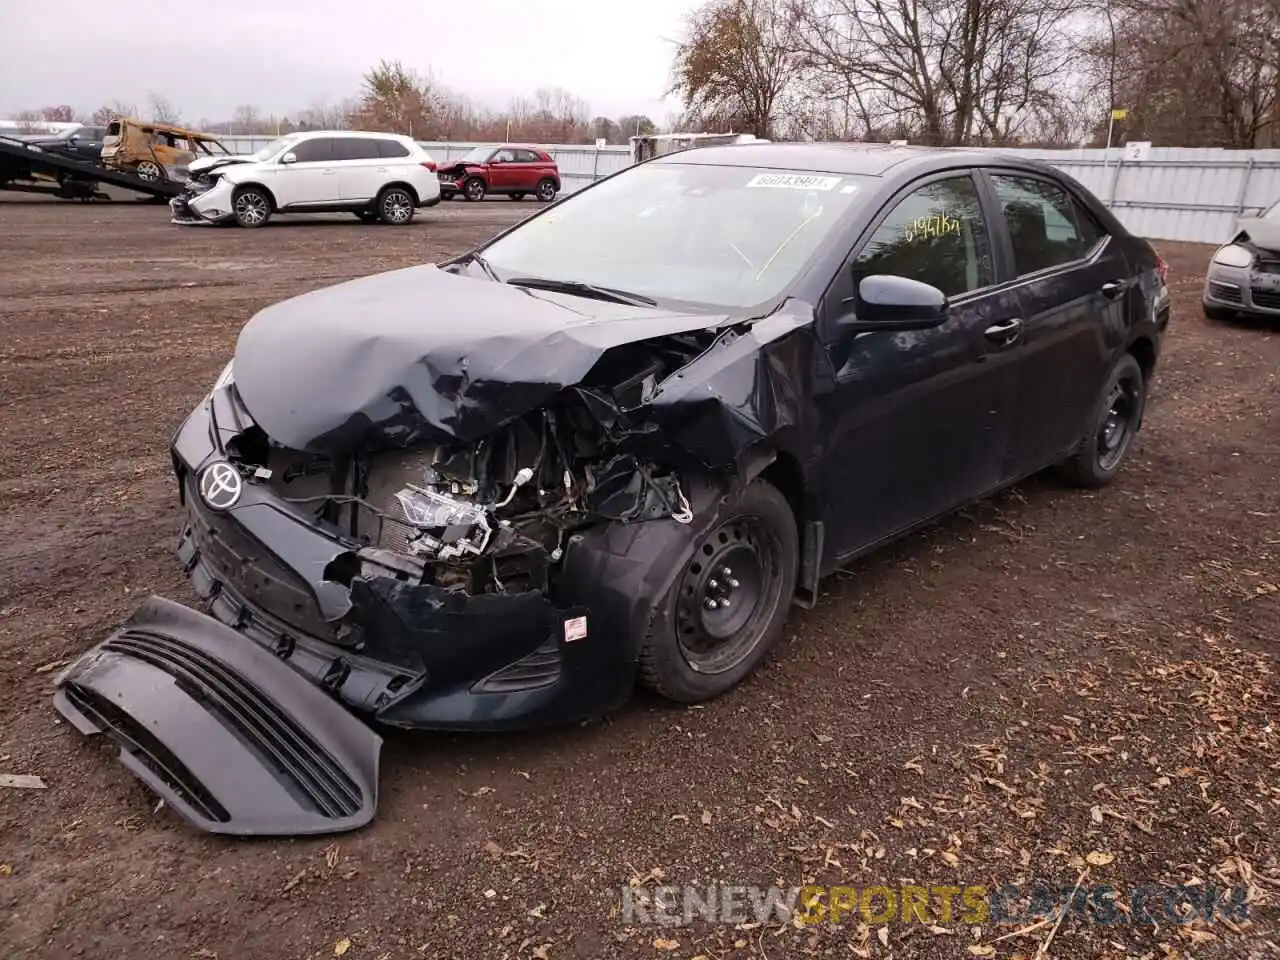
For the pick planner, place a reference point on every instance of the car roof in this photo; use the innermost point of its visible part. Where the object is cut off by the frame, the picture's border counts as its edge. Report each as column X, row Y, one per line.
column 866, row 159
column 355, row 134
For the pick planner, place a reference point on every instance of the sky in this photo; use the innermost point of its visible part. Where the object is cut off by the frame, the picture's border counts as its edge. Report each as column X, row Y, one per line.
column 285, row 55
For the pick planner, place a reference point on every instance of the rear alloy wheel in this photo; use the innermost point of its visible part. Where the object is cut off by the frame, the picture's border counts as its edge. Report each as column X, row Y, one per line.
column 546, row 190
column 1117, row 419
column 474, row 189
column 252, row 207
column 149, row 171
column 728, row 605
column 395, row 206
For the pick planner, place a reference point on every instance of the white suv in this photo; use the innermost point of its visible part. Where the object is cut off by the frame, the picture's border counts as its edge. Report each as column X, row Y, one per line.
column 376, row 176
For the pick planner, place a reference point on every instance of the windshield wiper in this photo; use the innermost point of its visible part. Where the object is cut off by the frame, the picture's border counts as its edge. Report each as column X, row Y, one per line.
column 583, row 289
column 483, row 264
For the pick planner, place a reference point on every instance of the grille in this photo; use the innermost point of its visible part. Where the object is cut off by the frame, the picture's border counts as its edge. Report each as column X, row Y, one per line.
column 306, row 768
column 147, row 749
column 1267, row 299
column 1224, row 291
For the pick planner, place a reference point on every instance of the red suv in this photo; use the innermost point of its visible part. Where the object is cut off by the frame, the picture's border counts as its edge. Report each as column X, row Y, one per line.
column 513, row 169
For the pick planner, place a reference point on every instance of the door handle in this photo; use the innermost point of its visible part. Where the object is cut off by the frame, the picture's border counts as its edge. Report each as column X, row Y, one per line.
column 1005, row 332
column 328, row 173
column 1113, row 288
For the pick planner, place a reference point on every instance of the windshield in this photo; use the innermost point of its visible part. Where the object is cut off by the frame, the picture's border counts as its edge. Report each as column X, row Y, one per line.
column 213, row 147
column 272, row 148
column 476, row 155
column 728, row 237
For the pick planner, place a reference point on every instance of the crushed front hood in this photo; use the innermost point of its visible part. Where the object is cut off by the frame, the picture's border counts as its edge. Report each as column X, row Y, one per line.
column 205, row 164
column 1263, row 234
column 416, row 354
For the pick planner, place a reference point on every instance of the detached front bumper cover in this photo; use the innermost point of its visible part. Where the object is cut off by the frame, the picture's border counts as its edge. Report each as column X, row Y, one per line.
column 231, row 737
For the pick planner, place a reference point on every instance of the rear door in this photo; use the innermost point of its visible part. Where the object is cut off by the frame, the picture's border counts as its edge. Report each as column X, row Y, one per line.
column 918, row 420
column 1072, row 284
column 312, row 178
column 528, row 170
column 361, row 167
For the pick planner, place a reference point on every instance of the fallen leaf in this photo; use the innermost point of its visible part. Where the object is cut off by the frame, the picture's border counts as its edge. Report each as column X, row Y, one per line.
column 341, row 947
column 982, row 950
column 950, row 858
column 1099, row 859
column 539, row 911
column 1095, row 814
column 883, row 934
column 542, row 952
column 331, row 855
column 296, row 879
column 492, row 849
column 663, row 944
column 706, row 817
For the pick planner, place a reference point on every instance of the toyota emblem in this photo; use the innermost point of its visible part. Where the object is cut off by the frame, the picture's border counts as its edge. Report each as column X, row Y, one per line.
column 221, row 486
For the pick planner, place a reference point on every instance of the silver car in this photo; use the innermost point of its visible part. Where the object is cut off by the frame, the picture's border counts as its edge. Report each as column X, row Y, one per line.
column 1244, row 275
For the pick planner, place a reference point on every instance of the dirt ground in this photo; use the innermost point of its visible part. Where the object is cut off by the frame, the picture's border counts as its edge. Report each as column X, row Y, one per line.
column 1052, row 686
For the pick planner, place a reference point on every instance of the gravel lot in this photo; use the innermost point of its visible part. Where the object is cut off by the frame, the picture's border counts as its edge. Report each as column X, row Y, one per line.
column 1046, row 676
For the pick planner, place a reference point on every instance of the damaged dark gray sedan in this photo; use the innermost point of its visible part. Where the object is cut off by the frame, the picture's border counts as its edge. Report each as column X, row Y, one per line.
column 618, row 442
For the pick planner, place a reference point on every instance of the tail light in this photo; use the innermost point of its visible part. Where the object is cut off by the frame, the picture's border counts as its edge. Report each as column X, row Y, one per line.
column 1162, row 269
column 430, row 165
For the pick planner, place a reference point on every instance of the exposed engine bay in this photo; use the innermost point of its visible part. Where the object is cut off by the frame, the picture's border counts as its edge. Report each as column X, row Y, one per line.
column 493, row 515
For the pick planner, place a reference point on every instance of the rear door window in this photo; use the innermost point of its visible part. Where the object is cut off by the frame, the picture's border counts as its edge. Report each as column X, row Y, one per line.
column 355, row 148
column 527, row 156
column 1043, row 222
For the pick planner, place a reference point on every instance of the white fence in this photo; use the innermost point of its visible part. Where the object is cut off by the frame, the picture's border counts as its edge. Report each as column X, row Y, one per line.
column 1173, row 194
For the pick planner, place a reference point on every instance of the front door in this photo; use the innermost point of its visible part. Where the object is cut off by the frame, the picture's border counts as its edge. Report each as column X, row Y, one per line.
column 918, row 420
column 527, row 171
column 502, row 170
column 1074, row 287
column 312, row 178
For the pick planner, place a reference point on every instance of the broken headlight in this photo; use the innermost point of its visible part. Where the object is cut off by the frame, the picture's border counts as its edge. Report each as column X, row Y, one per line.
column 445, row 526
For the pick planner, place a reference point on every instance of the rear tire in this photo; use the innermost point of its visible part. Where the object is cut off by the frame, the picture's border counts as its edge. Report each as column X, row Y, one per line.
column 474, row 189
column 252, row 207
column 149, row 171
column 395, row 206
column 1117, row 417
column 728, row 605
column 547, row 190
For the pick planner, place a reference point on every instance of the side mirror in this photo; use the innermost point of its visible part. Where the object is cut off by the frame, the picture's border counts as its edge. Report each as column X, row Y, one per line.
column 289, row 157
column 887, row 302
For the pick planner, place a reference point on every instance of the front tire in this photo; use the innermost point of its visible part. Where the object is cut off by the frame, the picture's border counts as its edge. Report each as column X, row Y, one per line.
column 474, row 189
column 1117, row 418
column 395, row 206
column 252, row 207
column 729, row 603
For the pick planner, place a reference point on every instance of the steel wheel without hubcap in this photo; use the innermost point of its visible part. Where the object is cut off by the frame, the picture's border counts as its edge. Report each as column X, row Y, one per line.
column 396, row 207
column 149, row 170
column 1119, row 424
column 728, row 595
column 252, row 209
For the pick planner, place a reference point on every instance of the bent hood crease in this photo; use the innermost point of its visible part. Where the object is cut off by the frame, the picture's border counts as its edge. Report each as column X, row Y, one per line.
column 419, row 353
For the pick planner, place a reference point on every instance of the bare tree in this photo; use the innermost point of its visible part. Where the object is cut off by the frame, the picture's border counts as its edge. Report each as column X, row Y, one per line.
column 111, row 111
column 945, row 71
column 164, row 111
column 737, row 63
